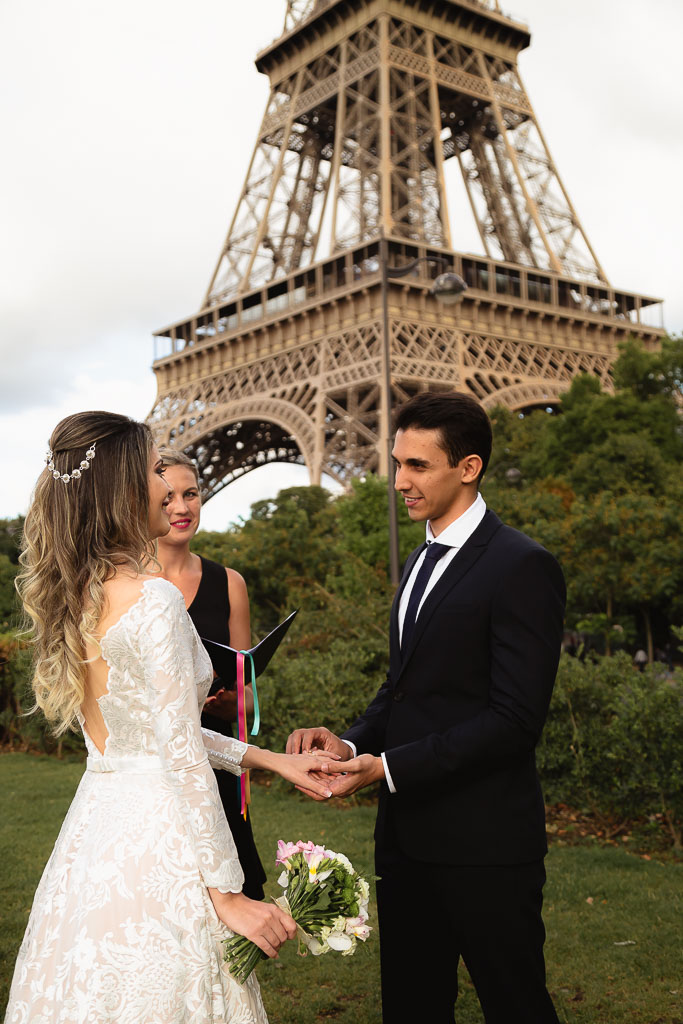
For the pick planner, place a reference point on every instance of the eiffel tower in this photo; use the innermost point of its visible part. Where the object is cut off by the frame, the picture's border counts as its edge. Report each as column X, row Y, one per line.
column 287, row 358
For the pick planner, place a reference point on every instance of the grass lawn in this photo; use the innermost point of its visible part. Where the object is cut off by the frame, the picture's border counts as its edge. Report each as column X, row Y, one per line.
column 613, row 919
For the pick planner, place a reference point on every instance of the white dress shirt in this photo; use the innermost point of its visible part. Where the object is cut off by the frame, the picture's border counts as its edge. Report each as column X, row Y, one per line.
column 453, row 536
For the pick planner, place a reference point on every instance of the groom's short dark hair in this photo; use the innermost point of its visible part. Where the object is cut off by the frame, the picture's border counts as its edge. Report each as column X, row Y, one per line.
column 462, row 422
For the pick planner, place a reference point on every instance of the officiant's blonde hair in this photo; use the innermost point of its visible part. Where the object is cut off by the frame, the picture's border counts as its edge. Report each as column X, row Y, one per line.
column 174, row 457
column 78, row 533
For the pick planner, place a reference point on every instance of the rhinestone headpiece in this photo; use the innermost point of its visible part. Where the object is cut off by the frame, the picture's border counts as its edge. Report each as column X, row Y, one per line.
column 75, row 473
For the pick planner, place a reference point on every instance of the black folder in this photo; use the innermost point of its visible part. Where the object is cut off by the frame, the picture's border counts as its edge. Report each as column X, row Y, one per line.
column 224, row 658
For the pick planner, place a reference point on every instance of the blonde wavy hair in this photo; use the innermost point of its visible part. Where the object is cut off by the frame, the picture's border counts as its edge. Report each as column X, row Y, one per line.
column 76, row 536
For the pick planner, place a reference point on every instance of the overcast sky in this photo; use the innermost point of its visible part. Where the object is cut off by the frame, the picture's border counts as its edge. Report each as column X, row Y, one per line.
column 127, row 132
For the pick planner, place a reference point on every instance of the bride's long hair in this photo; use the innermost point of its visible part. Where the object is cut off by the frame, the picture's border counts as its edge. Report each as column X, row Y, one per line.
column 76, row 535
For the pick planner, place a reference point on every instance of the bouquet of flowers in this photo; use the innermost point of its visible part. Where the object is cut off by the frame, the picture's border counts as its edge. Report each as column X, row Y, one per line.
column 325, row 896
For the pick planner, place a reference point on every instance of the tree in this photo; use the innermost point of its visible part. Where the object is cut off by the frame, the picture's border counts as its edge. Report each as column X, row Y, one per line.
column 598, row 485
column 516, row 439
column 622, row 464
column 289, row 543
column 646, row 403
column 621, row 554
column 10, row 537
column 9, row 601
column 364, row 522
column 646, row 374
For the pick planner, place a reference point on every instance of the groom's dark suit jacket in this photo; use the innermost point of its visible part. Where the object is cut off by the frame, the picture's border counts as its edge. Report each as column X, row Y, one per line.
column 462, row 708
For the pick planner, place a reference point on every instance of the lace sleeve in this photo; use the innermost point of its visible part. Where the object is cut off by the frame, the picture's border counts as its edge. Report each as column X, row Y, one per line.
column 224, row 752
column 165, row 641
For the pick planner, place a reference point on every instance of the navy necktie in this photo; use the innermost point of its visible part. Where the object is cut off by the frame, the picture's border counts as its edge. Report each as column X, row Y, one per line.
column 432, row 555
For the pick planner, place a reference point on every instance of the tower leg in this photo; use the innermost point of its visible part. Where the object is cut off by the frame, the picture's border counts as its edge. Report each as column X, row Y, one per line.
column 316, row 468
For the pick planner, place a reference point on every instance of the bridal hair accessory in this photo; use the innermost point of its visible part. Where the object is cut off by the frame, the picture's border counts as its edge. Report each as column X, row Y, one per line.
column 75, row 473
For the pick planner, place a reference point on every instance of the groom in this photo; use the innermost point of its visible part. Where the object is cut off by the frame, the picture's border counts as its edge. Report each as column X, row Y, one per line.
column 476, row 627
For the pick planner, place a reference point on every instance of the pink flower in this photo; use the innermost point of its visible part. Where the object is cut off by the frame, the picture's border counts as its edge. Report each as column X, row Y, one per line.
column 285, row 851
column 355, row 922
column 315, row 854
column 357, row 926
column 303, row 847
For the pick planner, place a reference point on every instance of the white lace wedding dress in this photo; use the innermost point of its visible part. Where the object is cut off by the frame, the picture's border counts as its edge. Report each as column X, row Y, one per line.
column 122, row 927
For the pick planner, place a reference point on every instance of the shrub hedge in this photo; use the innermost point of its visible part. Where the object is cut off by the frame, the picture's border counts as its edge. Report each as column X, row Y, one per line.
column 613, row 742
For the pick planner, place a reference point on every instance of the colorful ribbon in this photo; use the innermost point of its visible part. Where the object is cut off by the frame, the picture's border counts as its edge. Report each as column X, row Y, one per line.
column 245, row 787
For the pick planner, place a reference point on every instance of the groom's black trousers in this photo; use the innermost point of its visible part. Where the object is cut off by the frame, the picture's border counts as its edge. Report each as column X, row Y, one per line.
column 430, row 915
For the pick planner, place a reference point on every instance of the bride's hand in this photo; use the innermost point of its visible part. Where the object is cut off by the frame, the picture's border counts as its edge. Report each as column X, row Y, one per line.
column 303, row 770
column 263, row 923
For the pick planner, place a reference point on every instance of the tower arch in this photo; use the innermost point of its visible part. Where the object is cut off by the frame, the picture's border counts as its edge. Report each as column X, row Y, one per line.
column 231, row 439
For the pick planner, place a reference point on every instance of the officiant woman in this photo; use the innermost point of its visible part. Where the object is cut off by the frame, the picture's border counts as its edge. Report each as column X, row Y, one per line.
column 217, row 602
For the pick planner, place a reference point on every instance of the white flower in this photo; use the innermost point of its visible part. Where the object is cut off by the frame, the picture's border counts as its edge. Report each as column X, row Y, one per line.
column 315, row 947
column 283, row 880
column 344, row 861
column 313, row 860
column 339, row 941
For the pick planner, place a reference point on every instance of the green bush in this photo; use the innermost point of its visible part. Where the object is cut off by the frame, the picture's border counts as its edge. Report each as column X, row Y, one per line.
column 646, row 749
column 19, row 730
column 613, row 742
column 14, row 675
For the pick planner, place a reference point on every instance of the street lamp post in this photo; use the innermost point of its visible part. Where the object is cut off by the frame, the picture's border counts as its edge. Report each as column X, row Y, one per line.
column 447, row 288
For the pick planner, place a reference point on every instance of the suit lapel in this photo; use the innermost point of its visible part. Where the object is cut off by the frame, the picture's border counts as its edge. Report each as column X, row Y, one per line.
column 467, row 556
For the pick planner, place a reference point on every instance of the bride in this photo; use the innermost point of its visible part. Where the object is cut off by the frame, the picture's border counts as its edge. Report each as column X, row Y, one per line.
column 143, row 884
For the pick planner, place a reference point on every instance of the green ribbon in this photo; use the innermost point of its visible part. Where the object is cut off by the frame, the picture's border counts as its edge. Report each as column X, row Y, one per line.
column 257, row 714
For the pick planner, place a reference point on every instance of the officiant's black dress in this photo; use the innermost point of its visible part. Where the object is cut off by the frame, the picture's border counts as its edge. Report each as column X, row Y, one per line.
column 210, row 612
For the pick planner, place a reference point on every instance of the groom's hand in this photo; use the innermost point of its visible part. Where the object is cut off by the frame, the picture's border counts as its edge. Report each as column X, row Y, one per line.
column 358, row 773
column 303, row 741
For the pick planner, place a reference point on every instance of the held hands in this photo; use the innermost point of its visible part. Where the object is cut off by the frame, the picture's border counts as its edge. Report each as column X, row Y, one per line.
column 303, row 770
column 263, row 923
column 340, row 772
column 325, row 745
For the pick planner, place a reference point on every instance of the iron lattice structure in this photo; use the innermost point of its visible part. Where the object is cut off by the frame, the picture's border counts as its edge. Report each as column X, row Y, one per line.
column 368, row 103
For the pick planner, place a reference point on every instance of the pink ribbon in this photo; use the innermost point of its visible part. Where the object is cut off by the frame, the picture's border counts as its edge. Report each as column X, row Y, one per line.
column 245, row 789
